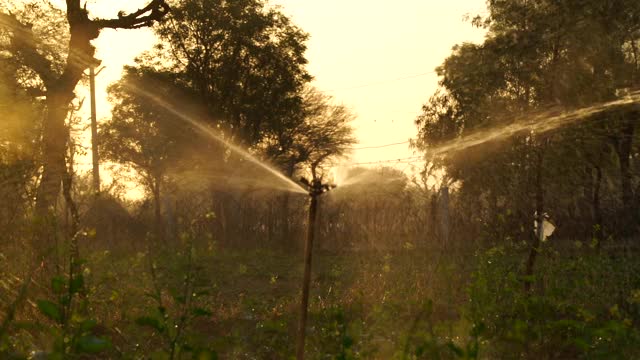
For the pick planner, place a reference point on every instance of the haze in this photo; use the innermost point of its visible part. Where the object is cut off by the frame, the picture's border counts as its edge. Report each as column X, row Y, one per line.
column 376, row 57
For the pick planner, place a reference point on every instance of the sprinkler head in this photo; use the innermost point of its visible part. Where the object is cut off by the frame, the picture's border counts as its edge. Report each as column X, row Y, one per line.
column 327, row 187
column 316, row 187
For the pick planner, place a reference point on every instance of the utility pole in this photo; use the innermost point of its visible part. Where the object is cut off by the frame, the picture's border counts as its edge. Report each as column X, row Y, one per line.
column 94, row 130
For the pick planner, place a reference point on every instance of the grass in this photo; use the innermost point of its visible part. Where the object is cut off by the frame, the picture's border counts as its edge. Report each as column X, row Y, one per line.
column 411, row 303
column 364, row 299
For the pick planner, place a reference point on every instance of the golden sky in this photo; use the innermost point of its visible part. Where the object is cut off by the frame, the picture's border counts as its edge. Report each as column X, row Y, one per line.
column 375, row 56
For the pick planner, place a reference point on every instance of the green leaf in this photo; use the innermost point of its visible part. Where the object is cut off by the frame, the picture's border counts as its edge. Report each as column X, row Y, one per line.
column 28, row 325
column 150, row 295
column 202, row 293
column 528, row 278
column 159, row 355
column 12, row 356
column 178, row 296
column 150, row 322
column 206, row 355
column 478, row 329
column 57, row 284
column 201, row 312
column 87, row 325
column 50, row 310
column 347, row 342
column 91, row 344
column 65, row 300
column 77, row 283
column 472, row 350
column 55, row 356
column 455, row 349
column 581, row 344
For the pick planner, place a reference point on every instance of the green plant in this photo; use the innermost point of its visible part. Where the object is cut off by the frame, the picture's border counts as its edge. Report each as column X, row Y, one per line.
column 581, row 305
column 424, row 342
column 74, row 332
column 338, row 330
column 7, row 348
column 171, row 317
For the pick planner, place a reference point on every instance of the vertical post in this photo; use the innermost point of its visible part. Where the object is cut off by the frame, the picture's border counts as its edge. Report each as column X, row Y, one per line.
column 94, row 133
column 308, row 250
column 539, row 221
column 444, row 216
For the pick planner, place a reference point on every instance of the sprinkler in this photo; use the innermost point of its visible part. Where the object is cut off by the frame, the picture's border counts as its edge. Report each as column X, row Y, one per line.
column 315, row 188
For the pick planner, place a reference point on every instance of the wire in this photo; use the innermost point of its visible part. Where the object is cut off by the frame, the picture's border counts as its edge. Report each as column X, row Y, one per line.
column 406, row 160
column 380, row 146
column 383, row 82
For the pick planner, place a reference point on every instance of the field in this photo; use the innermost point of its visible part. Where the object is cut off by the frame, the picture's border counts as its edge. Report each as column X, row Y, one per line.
column 402, row 304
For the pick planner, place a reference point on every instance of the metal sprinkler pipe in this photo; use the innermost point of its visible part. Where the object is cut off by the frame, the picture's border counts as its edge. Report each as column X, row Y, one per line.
column 316, row 188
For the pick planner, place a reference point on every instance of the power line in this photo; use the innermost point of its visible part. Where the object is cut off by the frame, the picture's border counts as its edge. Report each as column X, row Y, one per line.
column 380, row 146
column 406, row 160
column 383, row 82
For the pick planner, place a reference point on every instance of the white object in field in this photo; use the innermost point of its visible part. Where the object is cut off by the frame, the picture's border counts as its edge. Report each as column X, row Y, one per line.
column 547, row 227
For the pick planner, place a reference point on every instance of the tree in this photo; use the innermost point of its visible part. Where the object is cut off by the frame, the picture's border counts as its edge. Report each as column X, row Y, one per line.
column 57, row 83
column 589, row 52
column 19, row 149
column 323, row 135
column 311, row 145
column 142, row 134
column 246, row 62
column 538, row 54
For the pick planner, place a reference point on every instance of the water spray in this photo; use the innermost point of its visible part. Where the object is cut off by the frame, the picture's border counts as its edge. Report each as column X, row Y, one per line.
column 315, row 188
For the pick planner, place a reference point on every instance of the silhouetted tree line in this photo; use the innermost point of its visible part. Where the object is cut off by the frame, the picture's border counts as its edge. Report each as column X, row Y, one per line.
column 238, row 69
column 221, row 73
column 543, row 57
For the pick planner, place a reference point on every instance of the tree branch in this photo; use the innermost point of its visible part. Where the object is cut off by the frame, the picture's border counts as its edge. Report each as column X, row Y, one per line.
column 154, row 11
column 23, row 43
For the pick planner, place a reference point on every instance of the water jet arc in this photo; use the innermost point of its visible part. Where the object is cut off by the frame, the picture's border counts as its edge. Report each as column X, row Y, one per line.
column 290, row 184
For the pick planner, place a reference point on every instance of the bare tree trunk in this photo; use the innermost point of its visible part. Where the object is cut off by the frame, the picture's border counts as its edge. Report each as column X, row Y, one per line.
column 537, row 239
column 623, row 147
column 157, row 207
column 54, row 139
column 286, row 198
column 433, row 219
column 444, row 216
column 636, row 68
column 59, row 96
column 284, row 216
column 624, row 156
column 59, row 89
column 598, row 226
column 219, row 226
column 67, row 183
column 270, row 222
